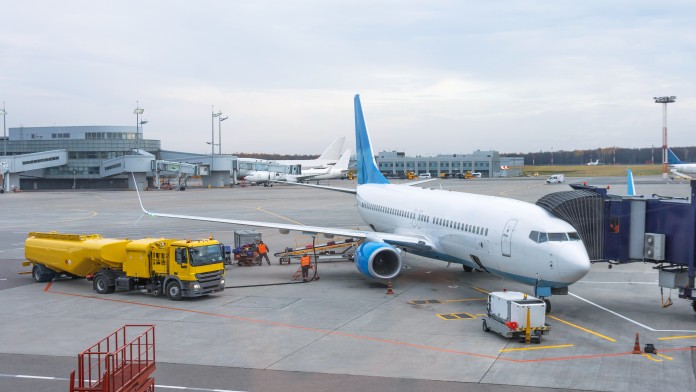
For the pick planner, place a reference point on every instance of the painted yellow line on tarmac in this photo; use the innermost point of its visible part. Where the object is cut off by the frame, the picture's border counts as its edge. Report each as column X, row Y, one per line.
column 465, row 299
column 677, row 337
column 582, row 329
column 664, row 356
column 279, row 216
column 481, row 290
column 536, row 348
column 651, row 358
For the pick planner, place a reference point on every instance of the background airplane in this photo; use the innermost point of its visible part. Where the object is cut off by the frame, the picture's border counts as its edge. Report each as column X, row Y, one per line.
column 509, row 238
column 327, row 158
column 338, row 170
column 332, row 172
column 679, row 167
column 593, row 163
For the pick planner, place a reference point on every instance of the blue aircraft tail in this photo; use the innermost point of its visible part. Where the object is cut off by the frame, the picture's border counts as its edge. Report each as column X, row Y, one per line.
column 368, row 173
column 672, row 158
column 630, row 185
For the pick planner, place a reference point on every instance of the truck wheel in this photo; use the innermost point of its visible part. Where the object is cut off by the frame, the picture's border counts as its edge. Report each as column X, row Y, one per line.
column 174, row 291
column 101, row 285
column 485, row 327
column 42, row 274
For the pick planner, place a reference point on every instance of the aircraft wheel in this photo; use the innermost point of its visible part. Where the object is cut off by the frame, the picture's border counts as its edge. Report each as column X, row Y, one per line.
column 485, row 327
column 467, row 268
column 174, row 291
column 693, row 305
column 548, row 305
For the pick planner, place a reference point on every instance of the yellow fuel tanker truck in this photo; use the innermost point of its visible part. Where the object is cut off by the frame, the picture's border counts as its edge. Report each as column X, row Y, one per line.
column 179, row 268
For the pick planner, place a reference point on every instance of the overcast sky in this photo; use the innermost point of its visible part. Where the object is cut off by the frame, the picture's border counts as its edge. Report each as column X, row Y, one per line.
column 434, row 76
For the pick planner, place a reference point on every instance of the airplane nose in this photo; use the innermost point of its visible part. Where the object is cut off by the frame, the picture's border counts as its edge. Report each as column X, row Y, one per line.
column 575, row 266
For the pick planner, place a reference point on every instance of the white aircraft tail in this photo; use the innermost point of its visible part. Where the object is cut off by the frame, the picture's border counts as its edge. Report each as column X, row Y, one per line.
column 342, row 163
column 333, row 152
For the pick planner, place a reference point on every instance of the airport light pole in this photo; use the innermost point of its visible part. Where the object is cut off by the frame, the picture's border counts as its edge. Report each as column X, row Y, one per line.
column 220, row 120
column 137, row 111
column 4, row 130
column 664, row 101
column 212, row 134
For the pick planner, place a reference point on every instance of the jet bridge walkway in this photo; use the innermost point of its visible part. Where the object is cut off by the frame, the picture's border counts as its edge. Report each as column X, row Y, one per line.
column 624, row 229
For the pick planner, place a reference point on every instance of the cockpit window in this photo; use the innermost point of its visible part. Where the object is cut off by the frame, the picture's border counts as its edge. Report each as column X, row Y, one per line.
column 558, row 237
column 539, row 237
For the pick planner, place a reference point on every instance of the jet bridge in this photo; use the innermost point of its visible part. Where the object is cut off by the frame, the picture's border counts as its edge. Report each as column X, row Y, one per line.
column 625, row 229
column 173, row 173
column 28, row 162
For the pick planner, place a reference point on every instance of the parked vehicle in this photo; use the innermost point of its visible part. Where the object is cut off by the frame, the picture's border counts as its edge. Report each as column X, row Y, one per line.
column 555, row 179
column 180, row 268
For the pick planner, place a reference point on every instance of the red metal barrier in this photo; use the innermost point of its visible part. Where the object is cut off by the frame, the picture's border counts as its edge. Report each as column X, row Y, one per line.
column 123, row 361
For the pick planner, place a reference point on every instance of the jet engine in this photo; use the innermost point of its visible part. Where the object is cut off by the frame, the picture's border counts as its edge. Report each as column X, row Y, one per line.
column 378, row 260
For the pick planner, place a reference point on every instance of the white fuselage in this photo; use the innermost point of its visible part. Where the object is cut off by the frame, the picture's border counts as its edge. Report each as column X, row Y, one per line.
column 686, row 168
column 482, row 232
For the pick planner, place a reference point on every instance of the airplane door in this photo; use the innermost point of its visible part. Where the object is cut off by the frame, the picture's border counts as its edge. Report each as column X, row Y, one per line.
column 415, row 222
column 506, row 242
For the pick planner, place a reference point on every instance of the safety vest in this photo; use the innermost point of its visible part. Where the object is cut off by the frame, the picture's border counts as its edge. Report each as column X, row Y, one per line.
column 305, row 261
column 262, row 248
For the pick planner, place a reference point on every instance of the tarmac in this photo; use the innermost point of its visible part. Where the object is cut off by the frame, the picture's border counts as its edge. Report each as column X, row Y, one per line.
column 342, row 331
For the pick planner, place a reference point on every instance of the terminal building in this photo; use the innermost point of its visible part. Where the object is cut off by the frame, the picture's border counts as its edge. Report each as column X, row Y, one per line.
column 396, row 164
column 103, row 157
column 93, row 157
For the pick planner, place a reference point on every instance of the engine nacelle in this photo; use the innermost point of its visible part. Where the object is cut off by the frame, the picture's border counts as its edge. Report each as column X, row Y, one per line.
column 378, row 260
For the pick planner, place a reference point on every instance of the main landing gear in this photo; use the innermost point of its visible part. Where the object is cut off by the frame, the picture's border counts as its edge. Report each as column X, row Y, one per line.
column 548, row 305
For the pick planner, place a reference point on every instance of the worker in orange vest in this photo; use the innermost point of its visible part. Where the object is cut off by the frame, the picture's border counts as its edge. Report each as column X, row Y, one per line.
column 263, row 253
column 305, row 261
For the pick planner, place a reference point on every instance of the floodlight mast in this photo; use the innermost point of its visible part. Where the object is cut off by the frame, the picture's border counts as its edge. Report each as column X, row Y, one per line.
column 664, row 101
column 137, row 111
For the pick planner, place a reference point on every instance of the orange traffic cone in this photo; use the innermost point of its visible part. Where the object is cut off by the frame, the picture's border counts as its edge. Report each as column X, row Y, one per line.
column 636, row 346
column 389, row 288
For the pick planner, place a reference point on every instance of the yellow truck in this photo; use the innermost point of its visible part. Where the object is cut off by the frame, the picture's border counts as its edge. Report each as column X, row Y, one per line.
column 179, row 268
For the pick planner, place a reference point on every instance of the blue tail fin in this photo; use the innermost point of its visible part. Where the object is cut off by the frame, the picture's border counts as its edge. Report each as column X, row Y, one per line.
column 631, row 186
column 672, row 158
column 368, row 173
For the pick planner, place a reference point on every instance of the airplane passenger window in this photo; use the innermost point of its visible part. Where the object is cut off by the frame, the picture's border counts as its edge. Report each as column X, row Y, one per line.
column 486, row 232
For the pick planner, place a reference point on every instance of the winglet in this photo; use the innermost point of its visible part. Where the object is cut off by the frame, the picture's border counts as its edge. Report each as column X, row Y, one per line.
column 138, row 192
column 368, row 173
column 631, row 185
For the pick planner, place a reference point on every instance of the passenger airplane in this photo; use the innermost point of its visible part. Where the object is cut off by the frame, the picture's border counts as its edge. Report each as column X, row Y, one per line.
column 336, row 171
column 680, row 168
column 509, row 238
column 327, row 158
column 593, row 163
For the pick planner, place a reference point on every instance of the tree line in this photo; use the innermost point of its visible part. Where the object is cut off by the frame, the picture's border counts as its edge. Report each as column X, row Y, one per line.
column 606, row 156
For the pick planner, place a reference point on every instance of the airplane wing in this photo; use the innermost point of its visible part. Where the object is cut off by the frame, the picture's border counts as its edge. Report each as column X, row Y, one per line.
column 679, row 174
column 419, row 182
column 406, row 241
